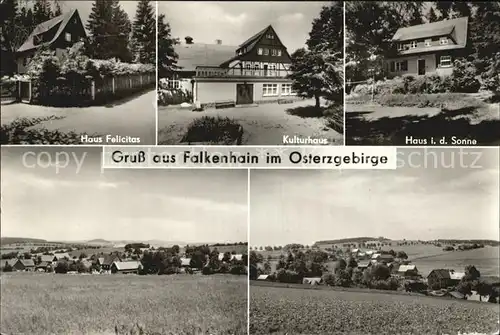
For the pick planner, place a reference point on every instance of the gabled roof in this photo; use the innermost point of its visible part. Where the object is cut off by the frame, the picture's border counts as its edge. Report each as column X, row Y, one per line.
column 262, row 277
column 440, row 273
column 199, row 54
column 11, row 261
column 27, row 262
column 363, row 264
column 129, row 265
column 43, row 264
column 185, row 261
column 62, row 255
column 47, row 258
column 456, row 275
column 456, row 29
column 404, row 268
column 61, row 20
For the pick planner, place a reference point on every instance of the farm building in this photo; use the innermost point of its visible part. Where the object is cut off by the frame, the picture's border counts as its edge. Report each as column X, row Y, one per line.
column 125, row 267
column 24, row 265
column 106, row 261
column 312, row 281
column 237, row 257
column 253, row 72
column 43, row 266
column 408, row 270
column 363, row 265
column 428, row 48
column 263, row 277
column 56, row 34
column 185, row 261
column 383, row 258
column 442, row 278
column 48, row 258
column 62, row 256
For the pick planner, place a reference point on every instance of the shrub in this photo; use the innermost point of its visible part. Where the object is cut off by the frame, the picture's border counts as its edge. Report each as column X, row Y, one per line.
column 173, row 97
column 61, row 267
column 207, row 270
column 287, row 276
column 329, row 279
column 220, row 130
column 7, row 267
column 237, row 269
column 464, row 77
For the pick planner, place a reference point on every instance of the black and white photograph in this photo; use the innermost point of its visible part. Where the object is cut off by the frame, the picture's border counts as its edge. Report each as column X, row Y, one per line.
column 407, row 251
column 78, row 72
column 122, row 252
column 422, row 73
column 250, row 73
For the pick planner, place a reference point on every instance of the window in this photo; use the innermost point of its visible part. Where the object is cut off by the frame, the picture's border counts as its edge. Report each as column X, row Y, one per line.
column 400, row 46
column 269, row 90
column 393, row 67
column 272, row 69
column 279, row 53
column 402, row 66
column 443, row 41
column 274, row 52
column 270, row 36
column 259, row 51
column 266, row 52
column 67, row 37
column 37, row 39
column 413, row 44
column 445, row 61
column 286, row 89
column 248, row 67
column 428, row 42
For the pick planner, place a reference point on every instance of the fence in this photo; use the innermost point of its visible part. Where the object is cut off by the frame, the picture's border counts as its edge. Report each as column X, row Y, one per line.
column 94, row 91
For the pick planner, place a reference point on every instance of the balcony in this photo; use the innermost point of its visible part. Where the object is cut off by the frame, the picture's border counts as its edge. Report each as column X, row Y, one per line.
column 216, row 72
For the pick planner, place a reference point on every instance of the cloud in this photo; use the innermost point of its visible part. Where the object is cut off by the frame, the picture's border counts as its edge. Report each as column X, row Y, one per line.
column 290, row 18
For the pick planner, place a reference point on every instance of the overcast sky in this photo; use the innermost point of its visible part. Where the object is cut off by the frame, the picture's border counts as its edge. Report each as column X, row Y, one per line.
column 414, row 203
column 190, row 206
column 234, row 22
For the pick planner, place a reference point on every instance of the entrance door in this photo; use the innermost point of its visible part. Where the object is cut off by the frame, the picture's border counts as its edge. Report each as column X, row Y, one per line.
column 244, row 94
column 421, row 66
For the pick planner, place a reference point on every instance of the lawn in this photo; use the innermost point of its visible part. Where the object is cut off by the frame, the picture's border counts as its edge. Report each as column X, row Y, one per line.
column 35, row 303
column 426, row 116
column 134, row 117
column 280, row 310
column 262, row 125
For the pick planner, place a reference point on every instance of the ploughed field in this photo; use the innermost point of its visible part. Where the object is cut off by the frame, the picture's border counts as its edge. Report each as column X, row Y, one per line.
column 281, row 310
column 37, row 303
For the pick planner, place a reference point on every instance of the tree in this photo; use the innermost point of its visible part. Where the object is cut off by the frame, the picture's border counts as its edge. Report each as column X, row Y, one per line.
column 42, row 11
column 402, row 255
column 144, row 33
column 167, row 58
column 318, row 71
column 176, row 249
column 57, row 10
column 61, row 267
column 432, row 16
column 471, row 273
column 7, row 267
column 465, row 288
column 109, row 29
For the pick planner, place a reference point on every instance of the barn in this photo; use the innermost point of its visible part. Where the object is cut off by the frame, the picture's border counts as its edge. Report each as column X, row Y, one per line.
column 24, row 265
column 125, row 267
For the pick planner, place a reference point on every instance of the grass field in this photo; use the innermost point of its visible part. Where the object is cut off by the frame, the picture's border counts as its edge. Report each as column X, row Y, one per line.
column 77, row 304
column 282, row 311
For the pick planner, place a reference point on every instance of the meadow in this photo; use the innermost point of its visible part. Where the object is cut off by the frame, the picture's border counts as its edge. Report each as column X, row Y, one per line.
column 38, row 303
column 280, row 310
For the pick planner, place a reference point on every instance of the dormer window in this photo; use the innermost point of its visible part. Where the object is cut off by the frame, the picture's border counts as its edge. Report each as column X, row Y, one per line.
column 413, row 44
column 67, row 37
column 266, row 52
column 274, row 52
column 428, row 43
column 443, row 40
column 279, row 53
column 270, row 36
column 259, row 51
column 37, row 39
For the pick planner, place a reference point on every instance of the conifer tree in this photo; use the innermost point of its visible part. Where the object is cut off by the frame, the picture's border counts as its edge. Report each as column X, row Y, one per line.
column 144, row 33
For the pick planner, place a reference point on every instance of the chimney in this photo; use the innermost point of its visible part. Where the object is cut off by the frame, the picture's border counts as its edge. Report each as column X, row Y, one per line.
column 189, row 40
column 219, row 42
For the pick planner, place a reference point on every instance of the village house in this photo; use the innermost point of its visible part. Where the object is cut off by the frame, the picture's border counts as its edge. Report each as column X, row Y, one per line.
column 55, row 34
column 382, row 258
column 363, row 265
column 125, row 267
column 43, row 266
column 442, row 278
column 429, row 48
column 24, row 265
column 61, row 256
column 313, row 281
column 185, row 262
column 253, row 72
column 409, row 270
column 106, row 261
column 48, row 258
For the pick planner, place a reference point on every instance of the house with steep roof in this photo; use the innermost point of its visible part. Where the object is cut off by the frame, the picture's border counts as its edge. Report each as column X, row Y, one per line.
column 443, row 278
column 57, row 34
column 409, row 270
column 48, row 258
column 24, row 265
column 428, row 48
column 125, row 267
column 253, row 72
